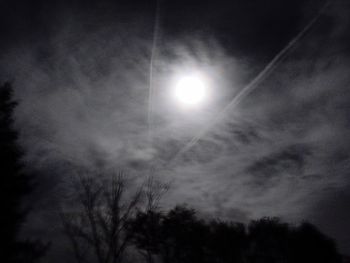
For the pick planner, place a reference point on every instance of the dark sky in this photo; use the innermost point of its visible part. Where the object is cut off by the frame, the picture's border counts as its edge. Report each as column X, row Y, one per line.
column 81, row 74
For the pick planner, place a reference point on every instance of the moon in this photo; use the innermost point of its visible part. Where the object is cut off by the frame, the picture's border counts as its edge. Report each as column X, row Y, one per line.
column 190, row 90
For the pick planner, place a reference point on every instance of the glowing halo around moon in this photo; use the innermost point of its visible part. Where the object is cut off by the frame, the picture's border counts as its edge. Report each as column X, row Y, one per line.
column 190, row 90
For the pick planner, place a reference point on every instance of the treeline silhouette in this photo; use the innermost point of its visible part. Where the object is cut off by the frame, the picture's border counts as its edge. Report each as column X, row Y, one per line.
column 106, row 220
column 179, row 236
column 15, row 185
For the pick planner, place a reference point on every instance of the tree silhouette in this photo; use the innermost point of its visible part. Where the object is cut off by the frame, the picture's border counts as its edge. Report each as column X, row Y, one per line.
column 228, row 242
column 146, row 234
column 179, row 236
column 145, row 227
column 310, row 245
column 14, row 186
column 273, row 241
column 269, row 241
column 100, row 213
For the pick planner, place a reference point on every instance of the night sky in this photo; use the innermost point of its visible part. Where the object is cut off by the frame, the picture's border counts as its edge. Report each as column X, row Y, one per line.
column 81, row 73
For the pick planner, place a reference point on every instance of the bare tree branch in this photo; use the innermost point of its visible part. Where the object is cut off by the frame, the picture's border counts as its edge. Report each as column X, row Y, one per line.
column 105, row 208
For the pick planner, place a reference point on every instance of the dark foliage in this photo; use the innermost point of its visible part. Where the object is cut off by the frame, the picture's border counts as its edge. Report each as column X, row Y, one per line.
column 179, row 236
column 310, row 245
column 14, row 186
column 270, row 241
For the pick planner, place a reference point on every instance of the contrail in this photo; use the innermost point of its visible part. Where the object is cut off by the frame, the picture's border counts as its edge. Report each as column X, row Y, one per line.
column 253, row 84
column 153, row 56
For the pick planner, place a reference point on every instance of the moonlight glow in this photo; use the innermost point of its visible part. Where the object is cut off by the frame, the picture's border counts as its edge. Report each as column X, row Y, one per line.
column 190, row 90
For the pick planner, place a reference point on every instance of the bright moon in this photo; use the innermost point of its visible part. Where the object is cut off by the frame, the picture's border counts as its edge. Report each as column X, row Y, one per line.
column 190, row 90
